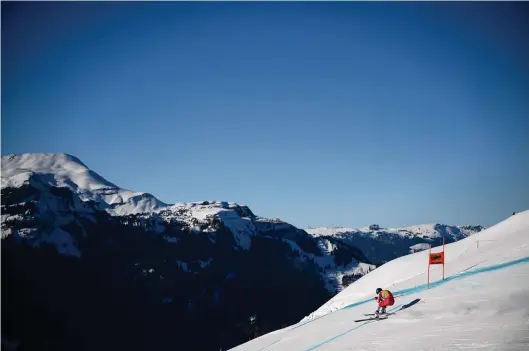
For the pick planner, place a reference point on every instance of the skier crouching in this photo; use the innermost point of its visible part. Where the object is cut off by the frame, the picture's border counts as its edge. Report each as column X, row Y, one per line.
column 384, row 298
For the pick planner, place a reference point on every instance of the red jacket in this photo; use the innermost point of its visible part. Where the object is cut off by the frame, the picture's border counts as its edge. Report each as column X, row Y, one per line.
column 385, row 294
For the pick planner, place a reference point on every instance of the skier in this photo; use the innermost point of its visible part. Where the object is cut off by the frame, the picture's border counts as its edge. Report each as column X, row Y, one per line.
column 384, row 298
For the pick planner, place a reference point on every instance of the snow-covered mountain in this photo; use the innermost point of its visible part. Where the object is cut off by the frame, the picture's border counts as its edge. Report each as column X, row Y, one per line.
column 384, row 244
column 479, row 305
column 57, row 191
column 341, row 255
column 190, row 259
column 63, row 170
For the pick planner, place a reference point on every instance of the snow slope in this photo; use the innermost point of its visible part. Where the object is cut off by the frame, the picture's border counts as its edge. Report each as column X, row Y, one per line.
column 481, row 304
column 64, row 170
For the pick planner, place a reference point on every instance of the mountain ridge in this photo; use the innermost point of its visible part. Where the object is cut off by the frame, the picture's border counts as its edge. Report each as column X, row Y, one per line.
column 16, row 169
column 346, row 251
column 185, row 259
column 69, row 171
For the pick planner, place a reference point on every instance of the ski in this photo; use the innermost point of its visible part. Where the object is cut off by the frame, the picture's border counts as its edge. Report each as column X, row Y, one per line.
column 371, row 319
column 373, row 314
column 385, row 315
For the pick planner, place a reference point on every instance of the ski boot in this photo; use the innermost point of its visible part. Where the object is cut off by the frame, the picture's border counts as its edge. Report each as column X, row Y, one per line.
column 380, row 313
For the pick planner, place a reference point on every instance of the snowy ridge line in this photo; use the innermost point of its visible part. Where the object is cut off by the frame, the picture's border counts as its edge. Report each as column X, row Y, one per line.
column 349, row 330
column 422, row 287
column 64, row 170
column 432, row 230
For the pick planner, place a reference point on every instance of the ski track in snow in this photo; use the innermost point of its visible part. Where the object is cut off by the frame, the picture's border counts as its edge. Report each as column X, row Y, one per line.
column 480, row 305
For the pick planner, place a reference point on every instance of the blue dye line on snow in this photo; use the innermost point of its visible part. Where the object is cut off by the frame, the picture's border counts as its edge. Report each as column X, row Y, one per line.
column 348, row 331
column 423, row 287
column 434, row 284
column 462, row 275
column 409, row 291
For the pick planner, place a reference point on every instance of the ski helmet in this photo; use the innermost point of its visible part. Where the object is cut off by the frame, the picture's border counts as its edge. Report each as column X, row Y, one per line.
column 379, row 290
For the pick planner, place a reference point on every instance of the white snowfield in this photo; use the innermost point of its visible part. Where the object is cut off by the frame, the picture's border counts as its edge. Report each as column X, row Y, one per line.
column 483, row 303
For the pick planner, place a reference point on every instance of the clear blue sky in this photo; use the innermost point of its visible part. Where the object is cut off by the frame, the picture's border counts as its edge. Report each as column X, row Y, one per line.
column 319, row 114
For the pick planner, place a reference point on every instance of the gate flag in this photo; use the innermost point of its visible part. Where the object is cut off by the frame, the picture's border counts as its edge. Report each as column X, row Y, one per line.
column 436, row 258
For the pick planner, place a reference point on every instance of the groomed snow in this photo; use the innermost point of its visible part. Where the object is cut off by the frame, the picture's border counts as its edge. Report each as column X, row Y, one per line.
column 482, row 303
